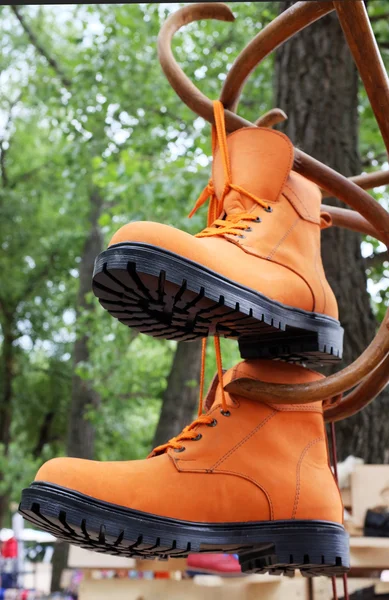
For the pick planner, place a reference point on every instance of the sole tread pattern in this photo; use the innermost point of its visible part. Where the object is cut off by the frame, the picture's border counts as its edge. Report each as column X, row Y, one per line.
column 168, row 299
column 102, row 532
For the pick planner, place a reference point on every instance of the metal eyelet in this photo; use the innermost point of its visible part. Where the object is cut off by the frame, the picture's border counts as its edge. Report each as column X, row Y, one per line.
column 213, row 423
column 258, row 220
column 242, row 237
column 225, row 413
column 180, row 449
column 269, row 209
column 248, row 229
column 197, row 438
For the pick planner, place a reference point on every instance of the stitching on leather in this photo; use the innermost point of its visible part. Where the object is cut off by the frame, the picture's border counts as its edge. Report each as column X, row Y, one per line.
column 253, row 252
column 272, row 253
column 267, row 131
column 307, row 216
column 226, row 472
column 291, row 152
column 245, row 439
column 298, row 408
column 320, row 280
column 299, row 199
column 255, row 483
column 298, row 473
column 307, row 213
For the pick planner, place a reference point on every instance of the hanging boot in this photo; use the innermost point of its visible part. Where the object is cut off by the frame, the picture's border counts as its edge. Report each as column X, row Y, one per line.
column 247, row 477
column 254, row 274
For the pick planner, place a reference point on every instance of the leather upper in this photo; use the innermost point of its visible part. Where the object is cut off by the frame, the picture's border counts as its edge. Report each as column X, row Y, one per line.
column 280, row 256
column 263, row 462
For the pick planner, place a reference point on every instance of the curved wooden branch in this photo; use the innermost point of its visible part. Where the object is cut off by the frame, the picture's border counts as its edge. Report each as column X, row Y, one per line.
column 356, row 27
column 345, row 190
column 373, row 385
column 182, row 85
column 259, row 47
column 285, row 26
column 271, row 118
column 322, row 175
column 303, row 12
column 367, row 181
column 363, row 395
column 319, row 390
column 349, row 219
column 334, row 183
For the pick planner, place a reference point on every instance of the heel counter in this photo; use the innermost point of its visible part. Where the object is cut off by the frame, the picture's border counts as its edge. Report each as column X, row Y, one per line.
column 328, row 305
column 305, row 198
column 317, row 494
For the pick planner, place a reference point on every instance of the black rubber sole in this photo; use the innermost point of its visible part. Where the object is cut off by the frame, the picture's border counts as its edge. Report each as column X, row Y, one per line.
column 167, row 296
column 277, row 547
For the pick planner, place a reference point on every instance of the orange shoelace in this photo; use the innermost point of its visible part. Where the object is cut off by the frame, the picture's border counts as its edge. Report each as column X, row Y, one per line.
column 190, row 432
column 232, row 225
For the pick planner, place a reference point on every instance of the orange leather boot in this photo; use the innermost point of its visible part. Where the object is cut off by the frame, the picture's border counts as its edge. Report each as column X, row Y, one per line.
column 246, row 477
column 255, row 273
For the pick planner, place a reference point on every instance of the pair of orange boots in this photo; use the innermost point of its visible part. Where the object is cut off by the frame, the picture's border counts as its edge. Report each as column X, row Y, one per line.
column 247, row 476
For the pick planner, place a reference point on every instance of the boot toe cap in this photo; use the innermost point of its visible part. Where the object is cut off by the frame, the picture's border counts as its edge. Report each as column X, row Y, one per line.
column 65, row 472
column 148, row 232
column 124, row 483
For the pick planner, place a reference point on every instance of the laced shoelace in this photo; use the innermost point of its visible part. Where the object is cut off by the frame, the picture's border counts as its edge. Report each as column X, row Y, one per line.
column 232, row 225
column 190, row 432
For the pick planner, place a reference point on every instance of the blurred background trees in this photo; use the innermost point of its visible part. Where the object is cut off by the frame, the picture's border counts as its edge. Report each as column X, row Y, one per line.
column 91, row 137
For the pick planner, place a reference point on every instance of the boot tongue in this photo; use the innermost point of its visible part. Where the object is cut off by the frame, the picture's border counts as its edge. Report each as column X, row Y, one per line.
column 267, row 371
column 260, row 162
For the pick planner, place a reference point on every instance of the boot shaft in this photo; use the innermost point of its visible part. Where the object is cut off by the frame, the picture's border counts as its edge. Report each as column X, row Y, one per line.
column 281, row 449
column 261, row 162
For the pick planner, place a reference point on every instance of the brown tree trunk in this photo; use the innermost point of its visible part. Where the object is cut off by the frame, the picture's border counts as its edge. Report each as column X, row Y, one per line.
column 316, row 85
column 81, row 433
column 7, row 375
column 181, row 395
column 59, row 563
column 7, row 361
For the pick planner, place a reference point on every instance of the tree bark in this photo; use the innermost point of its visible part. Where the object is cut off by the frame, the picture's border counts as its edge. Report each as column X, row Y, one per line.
column 7, row 361
column 7, row 376
column 81, row 433
column 44, row 433
column 316, row 84
column 181, row 395
column 59, row 563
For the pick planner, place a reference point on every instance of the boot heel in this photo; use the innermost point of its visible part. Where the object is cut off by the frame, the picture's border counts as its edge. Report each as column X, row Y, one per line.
column 315, row 347
column 321, row 552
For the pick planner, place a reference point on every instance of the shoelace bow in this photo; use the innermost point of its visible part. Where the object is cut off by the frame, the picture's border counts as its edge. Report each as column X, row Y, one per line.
column 233, row 224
